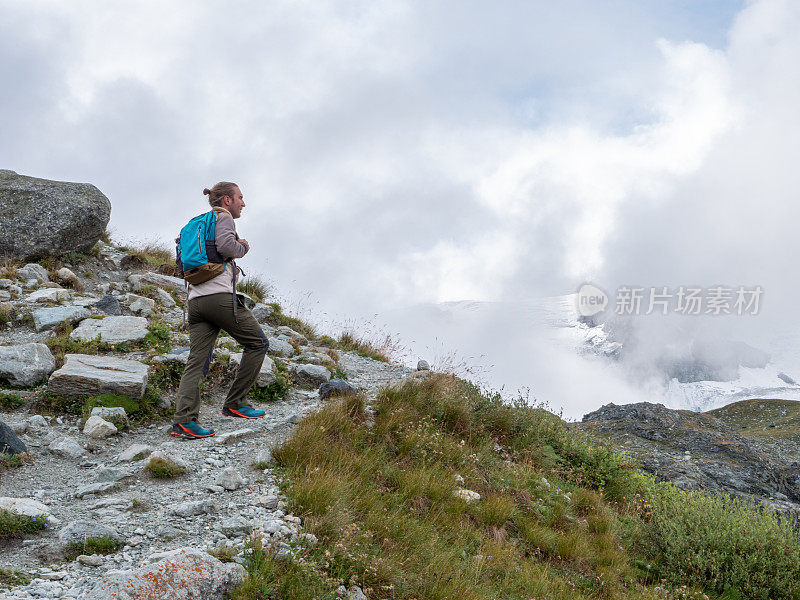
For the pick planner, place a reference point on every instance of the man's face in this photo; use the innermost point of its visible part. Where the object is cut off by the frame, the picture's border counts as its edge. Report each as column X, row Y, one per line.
column 234, row 204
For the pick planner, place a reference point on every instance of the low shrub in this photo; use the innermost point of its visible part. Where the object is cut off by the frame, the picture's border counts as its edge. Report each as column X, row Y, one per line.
column 12, row 578
column 10, row 401
column 10, row 461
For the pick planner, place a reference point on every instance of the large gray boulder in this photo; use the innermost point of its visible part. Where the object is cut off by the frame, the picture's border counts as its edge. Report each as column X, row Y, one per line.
column 310, row 376
column 24, row 365
column 9, row 442
column 47, row 318
column 181, row 574
column 87, row 375
column 42, row 217
column 81, row 530
column 112, row 330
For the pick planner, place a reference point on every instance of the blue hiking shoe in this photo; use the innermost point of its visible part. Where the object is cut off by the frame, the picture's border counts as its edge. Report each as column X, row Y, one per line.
column 243, row 412
column 191, row 430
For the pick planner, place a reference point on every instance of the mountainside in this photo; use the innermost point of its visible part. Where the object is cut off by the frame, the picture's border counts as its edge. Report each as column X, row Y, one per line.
column 749, row 449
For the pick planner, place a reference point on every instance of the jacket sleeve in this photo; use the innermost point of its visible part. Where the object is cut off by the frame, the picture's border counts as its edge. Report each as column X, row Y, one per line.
column 228, row 244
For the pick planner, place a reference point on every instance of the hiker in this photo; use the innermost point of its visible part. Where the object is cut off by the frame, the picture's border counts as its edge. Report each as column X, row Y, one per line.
column 213, row 305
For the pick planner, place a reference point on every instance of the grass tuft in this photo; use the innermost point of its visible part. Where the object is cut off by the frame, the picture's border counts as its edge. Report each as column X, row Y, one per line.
column 255, row 287
column 94, row 545
column 161, row 468
column 348, row 340
column 13, row 525
column 10, row 401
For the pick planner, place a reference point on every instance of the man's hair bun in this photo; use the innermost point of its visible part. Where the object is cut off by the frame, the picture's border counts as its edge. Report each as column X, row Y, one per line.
column 206, row 192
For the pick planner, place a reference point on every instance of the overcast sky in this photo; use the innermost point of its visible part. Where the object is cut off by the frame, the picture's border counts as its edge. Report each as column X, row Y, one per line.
column 394, row 153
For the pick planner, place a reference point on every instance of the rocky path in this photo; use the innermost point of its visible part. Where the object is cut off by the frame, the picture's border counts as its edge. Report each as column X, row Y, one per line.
column 220, row 500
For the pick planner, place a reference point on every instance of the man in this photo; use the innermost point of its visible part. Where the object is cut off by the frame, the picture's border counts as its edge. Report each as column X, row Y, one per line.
column 214, row 305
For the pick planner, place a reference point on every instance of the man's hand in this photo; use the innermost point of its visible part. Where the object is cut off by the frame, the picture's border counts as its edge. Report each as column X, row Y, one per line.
column 244, row 241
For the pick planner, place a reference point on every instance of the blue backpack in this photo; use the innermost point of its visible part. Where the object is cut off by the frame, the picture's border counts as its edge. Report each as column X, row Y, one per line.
column 196, row 249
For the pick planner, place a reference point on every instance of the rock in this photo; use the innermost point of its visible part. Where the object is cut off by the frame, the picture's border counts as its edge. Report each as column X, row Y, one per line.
column 64, row 274
column 280, row 347
column 42, row 217
column 179, row 355
column 262, row 312
column 268, row 502
column 467, row 496
column 98, row 428
column 335, row 387
column 32, row 271
column 80, row 531
column 182, row 574
column 109, row 412
column 167, row 532
column 100, row 487
column 110, row 474
column 131, row 452
column 112, row 330
column 263, row 456
column 423, row 365
column 236, row 524
column 38, row 423
column 310, row 376
column 26, row 507
column 193, row 508
column 24, row 365
column 109, row 305
column 95, row 560
column 47, row 318
column 87, row 375
column 230, row 479
column 356, row 593
column 9, row 442
column 141, row 305
column 48, row 295
column 165, row 298
column 163, row 281
column 266, row 375
column 233, row 436
column 67, row 447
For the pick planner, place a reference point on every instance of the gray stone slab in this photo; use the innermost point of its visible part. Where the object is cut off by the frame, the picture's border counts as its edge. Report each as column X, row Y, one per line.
column 86, row 375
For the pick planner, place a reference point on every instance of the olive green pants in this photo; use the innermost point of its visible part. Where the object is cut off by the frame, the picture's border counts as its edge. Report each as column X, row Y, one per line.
column 207, row 315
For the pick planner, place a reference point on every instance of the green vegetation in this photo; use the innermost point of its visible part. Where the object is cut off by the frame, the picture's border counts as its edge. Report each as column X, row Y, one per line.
column 95, row 545
column 276, row 391
column 140, row 412
column 13, row 525
column 349, row 341
column 153, row 254
column 6, row 313
column 10, row 461
column 255, row 287
column 223, row 552
column 10, row 401
column 166, row 376
column 12, row 578
column 161, row 468
column 559, row 516
column 753, row 418
column 159, row 337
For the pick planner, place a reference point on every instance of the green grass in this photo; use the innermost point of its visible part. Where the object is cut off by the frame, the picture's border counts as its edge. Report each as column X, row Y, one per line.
column 10, row 578
column 274, row 392
column 10, row 401
column 6, row 313
column 560, row 516
column 14, row 526
column 10, row 461
column 95, row 545
column 158, row 338
column 153, row 254
column 255, row 287
column 160, row 468
column 752, row 418
column 350, row 341
column 140, row 412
